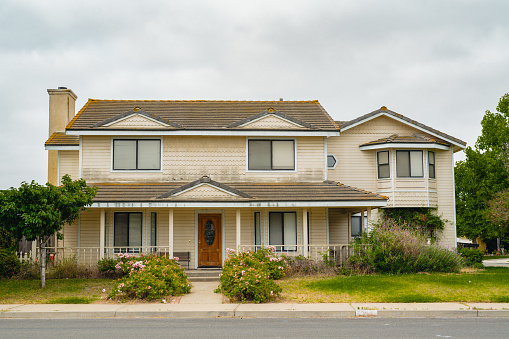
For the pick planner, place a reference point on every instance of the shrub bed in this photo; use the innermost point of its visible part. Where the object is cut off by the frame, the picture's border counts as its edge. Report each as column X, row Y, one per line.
column 9, row 263
column 249, row 276
column 473, row 256
column 150, row 277
column 390, row 248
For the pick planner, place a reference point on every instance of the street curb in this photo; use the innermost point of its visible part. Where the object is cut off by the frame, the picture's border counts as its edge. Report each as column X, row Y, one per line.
column 258, row 314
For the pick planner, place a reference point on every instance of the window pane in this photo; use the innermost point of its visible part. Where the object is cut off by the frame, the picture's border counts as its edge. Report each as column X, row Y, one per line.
column 149, row 154
column 431, row 167
column 283, row 154
column 356, row 226
column 153, row 229
column 120, row 230
column 276, row 229
column 383, row 158
column 416, row 164
column 257, row 229
column 431, row 157
column 383, row 171
column 402, row 164
column 259, row 155
column 134, row 229
column 124, row 154
column 290, row 231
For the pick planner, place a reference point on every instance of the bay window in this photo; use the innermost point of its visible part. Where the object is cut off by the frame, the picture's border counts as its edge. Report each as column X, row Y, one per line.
column 409, row 164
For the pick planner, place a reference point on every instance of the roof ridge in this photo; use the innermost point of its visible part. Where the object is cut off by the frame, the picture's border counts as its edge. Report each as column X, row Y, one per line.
column 200, row 100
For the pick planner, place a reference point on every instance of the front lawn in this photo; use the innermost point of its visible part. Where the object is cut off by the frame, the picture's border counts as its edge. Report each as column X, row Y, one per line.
column 57, row 291
column 489, row 285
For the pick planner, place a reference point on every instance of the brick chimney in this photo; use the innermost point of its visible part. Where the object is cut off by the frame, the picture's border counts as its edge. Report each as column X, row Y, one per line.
column 61, row 111
column 61, row 108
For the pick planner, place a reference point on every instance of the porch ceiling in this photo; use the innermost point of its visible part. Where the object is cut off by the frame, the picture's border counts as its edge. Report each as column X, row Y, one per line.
column 327, row 193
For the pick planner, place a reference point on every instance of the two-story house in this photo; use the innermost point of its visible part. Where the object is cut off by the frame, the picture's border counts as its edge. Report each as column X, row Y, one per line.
column 203, row 176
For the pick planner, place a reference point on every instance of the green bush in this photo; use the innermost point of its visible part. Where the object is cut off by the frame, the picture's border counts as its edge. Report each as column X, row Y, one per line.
column 473, row 256
column 10, row 264
column 249, row 276
column 389, row 248
column 150, row 277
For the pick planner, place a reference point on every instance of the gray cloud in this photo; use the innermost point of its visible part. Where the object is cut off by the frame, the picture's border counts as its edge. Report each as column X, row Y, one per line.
column 442, row 63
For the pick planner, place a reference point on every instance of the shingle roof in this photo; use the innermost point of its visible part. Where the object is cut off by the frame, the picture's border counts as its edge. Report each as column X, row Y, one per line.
column 384, row 110
column 61, row 139
column 250, row 192
column 202, row 114
column 413, row 139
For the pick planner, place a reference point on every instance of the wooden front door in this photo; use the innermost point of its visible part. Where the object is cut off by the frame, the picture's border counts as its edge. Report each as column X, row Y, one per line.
column 209, row 240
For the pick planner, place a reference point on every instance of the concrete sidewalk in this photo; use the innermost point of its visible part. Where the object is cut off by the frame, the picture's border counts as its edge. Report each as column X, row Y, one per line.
column 340, row 310
column 202, row 302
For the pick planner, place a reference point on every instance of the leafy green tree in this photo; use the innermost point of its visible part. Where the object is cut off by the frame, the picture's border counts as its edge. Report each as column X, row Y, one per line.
column 38, row 212
column 482, row 174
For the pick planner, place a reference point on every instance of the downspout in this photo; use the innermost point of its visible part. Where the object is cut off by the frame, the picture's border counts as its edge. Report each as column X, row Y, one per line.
column 454, row 199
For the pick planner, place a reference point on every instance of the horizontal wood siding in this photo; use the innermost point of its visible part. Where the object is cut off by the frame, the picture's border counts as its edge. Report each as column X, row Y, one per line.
column 339, row 227
column 318, row 226
column 69, row 164
column 445, row 195
column 187, row 158
column 90, row 226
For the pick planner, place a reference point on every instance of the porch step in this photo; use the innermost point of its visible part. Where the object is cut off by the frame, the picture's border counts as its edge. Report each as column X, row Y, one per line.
column 203, row 274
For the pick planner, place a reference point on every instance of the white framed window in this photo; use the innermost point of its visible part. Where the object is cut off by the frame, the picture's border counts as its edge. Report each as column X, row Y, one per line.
column 356, row 225
column 431, row 165
column 271, row 155
column 409, row 164
column 382, row 161
column 283, row 230
column 136, row 154
column 127, row 231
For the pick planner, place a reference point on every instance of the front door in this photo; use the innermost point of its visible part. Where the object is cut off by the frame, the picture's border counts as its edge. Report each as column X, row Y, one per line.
column 209, row 240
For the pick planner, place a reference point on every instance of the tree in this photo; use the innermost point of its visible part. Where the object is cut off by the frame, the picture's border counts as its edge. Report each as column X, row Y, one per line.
column 483, row 174
column 38, row 212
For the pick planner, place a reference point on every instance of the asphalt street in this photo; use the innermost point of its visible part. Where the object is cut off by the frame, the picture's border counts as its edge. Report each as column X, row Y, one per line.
column 256, row 328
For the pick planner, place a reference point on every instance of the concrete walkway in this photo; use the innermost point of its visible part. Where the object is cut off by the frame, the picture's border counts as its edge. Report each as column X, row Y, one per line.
column 496, row 262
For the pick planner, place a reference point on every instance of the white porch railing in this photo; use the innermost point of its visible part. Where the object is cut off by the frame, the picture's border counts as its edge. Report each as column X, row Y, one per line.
column 91, row 255
column 337, row 252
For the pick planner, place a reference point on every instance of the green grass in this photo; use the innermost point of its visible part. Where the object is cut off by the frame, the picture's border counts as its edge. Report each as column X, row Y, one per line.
column 57, row 291
column 490, row 285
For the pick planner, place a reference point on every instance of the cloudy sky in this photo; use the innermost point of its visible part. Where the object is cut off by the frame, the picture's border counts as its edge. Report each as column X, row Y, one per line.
column 442, row 63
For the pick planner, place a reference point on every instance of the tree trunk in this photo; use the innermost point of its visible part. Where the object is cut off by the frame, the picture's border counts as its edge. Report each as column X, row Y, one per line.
column 498, row 244
column 42, row 252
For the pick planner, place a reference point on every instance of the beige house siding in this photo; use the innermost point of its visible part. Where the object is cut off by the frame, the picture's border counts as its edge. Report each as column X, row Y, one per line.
column 137, row 122
column 68, row 164
column 187, row 158
column 339, row 226
column 272, row 122
column 358, row 168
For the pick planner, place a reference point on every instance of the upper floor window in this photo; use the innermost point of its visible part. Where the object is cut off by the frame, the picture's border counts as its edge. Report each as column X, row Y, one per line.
column 141, row 154
column 271, row 154
column 431, row 165
column 409, row 164
column 382, row 159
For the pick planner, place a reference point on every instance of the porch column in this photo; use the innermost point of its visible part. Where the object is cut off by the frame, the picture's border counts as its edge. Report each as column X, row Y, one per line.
column 305, row 231
column 369, row 218
column 237, row 229
column 102, row 230
column 170, row 233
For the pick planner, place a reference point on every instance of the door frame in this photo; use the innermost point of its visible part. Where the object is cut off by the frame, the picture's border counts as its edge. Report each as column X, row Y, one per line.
column 196, row 249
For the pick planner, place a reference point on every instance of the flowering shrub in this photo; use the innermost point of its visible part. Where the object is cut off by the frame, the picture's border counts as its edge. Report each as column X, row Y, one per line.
column 389, row 248
column 150, row 277
column 249, row 276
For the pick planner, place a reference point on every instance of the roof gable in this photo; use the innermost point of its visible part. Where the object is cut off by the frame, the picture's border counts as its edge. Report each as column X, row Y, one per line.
column 383, row 111
column 271, row 119
column 135, row 119
column 204, row 189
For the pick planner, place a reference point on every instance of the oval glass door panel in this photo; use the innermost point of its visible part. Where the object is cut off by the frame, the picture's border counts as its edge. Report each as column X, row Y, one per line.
column 210, row 232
